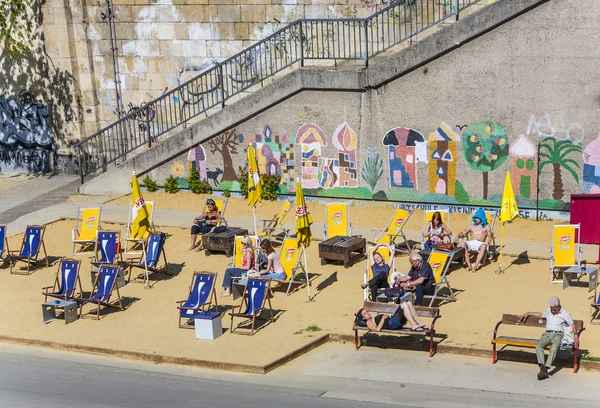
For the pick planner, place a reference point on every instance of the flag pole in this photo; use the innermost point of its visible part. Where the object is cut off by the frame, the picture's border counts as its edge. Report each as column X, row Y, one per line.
column 501, row 251
column 254, row 213
column 306, row 273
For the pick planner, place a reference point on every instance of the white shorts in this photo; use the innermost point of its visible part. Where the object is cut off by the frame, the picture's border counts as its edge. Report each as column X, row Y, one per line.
column 474, row 245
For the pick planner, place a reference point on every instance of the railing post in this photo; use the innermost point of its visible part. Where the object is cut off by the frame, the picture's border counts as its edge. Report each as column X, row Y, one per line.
column 457, row 10
column 148, row 132
column 366, row 43
column 301, row 44
column 79, row 159
column 222, row 83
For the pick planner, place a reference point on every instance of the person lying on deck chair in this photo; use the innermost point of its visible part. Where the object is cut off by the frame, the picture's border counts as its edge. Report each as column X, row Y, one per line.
column 557, row 320
column 420, row 276
column 381, row 270
column 204, row 223
column 406, row 311
column 480, row 235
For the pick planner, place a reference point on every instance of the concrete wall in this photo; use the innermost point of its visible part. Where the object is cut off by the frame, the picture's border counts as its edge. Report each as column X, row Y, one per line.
column 446, row 132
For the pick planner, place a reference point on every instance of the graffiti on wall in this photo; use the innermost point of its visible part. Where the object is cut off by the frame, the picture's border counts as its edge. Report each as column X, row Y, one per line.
column 555, row 127
column 591, row 167
column 442, row 160
column 485, row 146
column 406, row 147
column 523, row 170
column 25, row 135
column 558, row 153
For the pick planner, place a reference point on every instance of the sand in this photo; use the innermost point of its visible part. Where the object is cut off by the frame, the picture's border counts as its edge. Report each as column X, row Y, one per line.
column 149, row 324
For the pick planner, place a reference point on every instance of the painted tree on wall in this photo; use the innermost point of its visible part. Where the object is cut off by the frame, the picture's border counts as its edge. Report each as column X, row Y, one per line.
column 556, row 153
column 225, row 144
column 373, row 169
column 485, row 145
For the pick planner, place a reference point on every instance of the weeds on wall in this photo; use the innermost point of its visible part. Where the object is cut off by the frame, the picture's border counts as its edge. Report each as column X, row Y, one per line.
column 227, row 193
column 196, row 185
column 271, row 186
column 243, row 180
column 171, row 185
column 150, row 184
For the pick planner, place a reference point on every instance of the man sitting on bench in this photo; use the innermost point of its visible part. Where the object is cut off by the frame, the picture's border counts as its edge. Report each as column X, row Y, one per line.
column 557, row 320
column 420, row 276
column 480, row 234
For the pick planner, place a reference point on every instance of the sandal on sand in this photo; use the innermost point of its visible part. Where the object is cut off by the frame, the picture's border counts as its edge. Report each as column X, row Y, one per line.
column 417, row 329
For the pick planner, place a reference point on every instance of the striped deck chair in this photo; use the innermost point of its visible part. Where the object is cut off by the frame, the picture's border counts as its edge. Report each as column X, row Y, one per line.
column 33, row 241
column 202, row 294
column 254, row 298
column 290, row 257
column 393, row 232
column 565, row 251
column 152, row 249
column 4, row 250
column 108, row 248
column 132, row 243
column 105, row 285
column 440, row 263
column 86, row 228
column 271, row 226
column 337, row 220
column 66, row 281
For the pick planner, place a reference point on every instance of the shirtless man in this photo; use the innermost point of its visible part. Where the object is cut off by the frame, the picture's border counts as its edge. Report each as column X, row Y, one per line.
column 480, row 236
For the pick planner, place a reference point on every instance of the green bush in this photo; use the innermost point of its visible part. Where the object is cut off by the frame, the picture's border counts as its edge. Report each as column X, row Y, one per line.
column 227, row 193
column 243, row 180
column 196, row 185
column 270, row 187
column 150, row 184
column 171, row 185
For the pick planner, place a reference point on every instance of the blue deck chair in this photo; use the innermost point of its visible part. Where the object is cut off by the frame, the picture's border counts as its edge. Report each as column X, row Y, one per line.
column 153, row 247
column 202, row 294
column 106, row 283
column 255, row 295
column 33, row 241
column 66, row 281
column 107, row 248
column 4, row 251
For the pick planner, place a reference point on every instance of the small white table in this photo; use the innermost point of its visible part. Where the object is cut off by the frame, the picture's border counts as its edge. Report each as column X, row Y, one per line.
column 69, row 310
column 208, row 325
column 574, row 272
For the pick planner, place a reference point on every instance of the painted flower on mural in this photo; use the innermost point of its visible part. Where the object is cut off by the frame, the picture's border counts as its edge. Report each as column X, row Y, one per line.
column 178, row 169
column 556, row 153
column 485, row 146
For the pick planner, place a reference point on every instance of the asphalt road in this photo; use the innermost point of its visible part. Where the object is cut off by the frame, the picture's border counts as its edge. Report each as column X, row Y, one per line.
column 31, row 377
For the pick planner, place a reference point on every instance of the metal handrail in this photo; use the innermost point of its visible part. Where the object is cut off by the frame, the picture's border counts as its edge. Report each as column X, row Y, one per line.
column 304, row 39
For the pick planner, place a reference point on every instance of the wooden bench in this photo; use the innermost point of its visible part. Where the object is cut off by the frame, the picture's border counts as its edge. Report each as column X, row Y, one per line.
column 345, row 249
column 390, row 308
column 513, row 320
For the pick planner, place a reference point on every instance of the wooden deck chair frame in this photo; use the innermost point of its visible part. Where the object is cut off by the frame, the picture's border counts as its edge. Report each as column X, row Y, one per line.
column 98, row 302
column 132, row 244
column 212, row 297
column 560, row 256
column 97, row 250
column 440, row 263
column 490, row 216
column 369, row 271
column 75, row 233
column 244, row 303
column 595, row 307
column 295, row 266
column 329, row 228
column 272, row 225
column 13, row 259
column 138, row 262
column 4, row 248
column 384, row 236
column 237, row 245
column 445, row 213
column 57, row 282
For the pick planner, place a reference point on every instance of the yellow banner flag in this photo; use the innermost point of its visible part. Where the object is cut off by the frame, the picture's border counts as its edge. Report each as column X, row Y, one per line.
column 509, row 211
column 255, row 182
column 303, row 219
column 140, row 219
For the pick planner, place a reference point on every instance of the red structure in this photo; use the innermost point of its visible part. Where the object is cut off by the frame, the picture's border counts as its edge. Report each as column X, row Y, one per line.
column 585, row 210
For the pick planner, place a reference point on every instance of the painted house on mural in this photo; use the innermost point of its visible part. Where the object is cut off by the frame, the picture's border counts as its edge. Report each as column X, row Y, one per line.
column 402, row 156
column 523, row 171
column 442, row 160
column 591, row 167
column 311, row 139
column 197, row 159
column 345, row 140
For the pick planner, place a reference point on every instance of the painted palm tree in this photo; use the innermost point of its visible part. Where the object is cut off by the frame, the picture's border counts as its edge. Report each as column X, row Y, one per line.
column 557, row 154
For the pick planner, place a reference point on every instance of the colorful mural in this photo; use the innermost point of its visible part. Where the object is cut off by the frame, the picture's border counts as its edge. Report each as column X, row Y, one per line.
column 442, row 156
column 311, row 139
column 225, row 144
column 557, row 153
column 591, row 168
column 197, row 160
column 373, row 169
column 345, row 140
column 523, row 171
column 403, row 156
column 485, row 146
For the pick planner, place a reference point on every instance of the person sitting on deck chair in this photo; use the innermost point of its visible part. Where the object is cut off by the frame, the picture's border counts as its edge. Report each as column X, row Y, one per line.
column 381, row 270
column 557, row 320
column 248, row 263
column 480, row 235
column 205, row 222
column 436, row 231
column 420, row 276
column 406, row 311
column 274, row 268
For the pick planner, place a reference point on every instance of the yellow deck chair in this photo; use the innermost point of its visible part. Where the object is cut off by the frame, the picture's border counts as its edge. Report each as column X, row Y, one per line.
column 337, row 220
column 385, row 254
column 277, row 223
column 491, row 221
column 440, row 263
column 132, row 243
column 290, row 257
column 239, row 251
column 445, row 214
column 86, row 228
column 221, row 203
column 565, row 251
column 393, row 232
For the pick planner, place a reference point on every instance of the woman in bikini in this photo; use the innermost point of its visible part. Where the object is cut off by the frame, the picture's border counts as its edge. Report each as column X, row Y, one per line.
column 204, row 223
